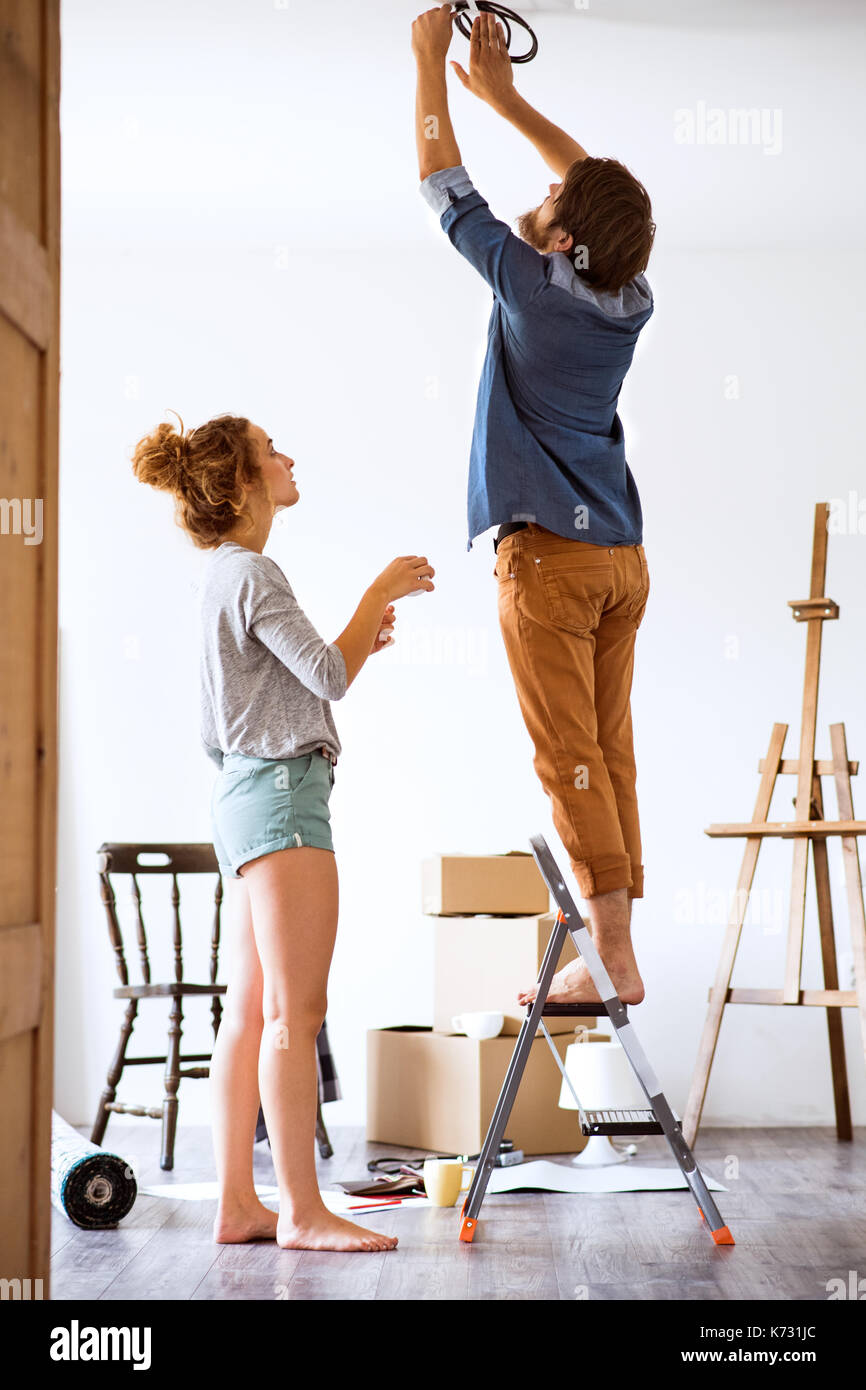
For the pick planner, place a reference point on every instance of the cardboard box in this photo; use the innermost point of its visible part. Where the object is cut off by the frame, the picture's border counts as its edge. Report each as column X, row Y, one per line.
column 482, row 962
column 433, row 1091
column 460, row 884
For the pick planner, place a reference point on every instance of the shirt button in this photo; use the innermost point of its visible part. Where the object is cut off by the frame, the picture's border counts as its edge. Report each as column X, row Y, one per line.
column 610, row 552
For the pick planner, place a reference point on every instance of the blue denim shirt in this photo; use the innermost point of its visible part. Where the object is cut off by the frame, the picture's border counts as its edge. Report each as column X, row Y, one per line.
column 548, row 443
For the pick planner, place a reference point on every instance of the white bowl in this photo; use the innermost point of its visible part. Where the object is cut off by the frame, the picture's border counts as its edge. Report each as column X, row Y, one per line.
column 479, row 1024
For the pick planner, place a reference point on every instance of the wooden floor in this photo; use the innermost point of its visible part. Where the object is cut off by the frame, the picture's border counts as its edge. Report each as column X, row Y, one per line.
column 797, row 1211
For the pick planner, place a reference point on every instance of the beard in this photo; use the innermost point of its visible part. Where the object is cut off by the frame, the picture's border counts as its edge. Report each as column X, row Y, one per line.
column 528, row 230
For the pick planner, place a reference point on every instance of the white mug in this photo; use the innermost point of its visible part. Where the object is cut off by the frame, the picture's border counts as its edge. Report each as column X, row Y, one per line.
column 478, row 1025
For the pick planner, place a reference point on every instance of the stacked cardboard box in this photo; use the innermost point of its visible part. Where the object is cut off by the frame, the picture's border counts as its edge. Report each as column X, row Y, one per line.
column 431, row 1088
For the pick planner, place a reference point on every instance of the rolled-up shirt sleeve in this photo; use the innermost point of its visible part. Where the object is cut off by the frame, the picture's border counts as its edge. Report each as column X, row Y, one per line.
column 515, row 271
column 277, row 620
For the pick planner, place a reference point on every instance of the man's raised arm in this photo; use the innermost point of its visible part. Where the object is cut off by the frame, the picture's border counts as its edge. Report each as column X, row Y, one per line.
column 515, row 272
column 491, row 78
column 434, row 133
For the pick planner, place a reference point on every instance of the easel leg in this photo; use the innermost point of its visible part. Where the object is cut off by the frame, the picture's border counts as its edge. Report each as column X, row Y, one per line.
column 835, row 1031
column 722, row 982
column 851, row 861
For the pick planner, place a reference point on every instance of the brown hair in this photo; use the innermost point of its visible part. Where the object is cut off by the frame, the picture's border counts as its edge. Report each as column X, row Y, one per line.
column 208, row 470
column 605, row 209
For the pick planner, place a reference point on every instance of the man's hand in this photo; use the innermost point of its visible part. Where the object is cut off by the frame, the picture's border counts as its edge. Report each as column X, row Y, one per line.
column 431, row 34
column 490, row 76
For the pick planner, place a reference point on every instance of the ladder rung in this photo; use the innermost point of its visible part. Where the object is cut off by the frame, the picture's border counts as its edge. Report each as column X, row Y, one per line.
column 619, row 1122
column 572, row 1010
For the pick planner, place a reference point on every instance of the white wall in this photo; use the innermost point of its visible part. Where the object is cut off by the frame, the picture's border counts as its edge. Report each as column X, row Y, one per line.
column 243, row 232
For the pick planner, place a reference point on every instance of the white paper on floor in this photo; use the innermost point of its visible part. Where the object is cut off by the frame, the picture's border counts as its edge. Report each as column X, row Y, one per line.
column 209, row 1191
column 537, row 1175
column 565, row 1177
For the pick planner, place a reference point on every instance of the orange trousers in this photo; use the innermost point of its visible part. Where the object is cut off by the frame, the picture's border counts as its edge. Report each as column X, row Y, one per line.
column 569, row 612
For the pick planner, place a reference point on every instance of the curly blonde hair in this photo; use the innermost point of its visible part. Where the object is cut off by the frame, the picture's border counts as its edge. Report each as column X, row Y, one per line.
column 209, row 470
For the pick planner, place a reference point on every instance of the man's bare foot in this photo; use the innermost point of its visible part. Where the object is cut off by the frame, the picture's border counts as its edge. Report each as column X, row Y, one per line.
column 327, row 1231
column 237, row 1225
column 574, row 985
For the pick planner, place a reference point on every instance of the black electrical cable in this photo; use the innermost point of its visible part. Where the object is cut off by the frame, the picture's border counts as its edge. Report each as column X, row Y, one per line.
column 506, row 18
column 405, row 1165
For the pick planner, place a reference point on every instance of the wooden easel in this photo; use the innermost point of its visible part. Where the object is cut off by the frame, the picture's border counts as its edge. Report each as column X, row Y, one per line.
column 808, row 828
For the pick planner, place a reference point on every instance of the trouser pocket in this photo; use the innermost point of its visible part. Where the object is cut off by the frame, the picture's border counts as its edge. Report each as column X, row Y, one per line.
column 574, row 587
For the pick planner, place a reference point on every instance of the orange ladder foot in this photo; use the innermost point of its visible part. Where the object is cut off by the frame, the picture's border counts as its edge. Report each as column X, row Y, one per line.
column 467, row 1229
column 723, row 1236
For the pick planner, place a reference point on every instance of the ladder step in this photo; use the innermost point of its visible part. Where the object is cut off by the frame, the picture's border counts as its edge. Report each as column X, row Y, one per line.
column 619, row 1122
column 572, row 1010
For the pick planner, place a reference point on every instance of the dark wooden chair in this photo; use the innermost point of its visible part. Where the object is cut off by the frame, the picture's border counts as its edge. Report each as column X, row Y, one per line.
column 135, row 859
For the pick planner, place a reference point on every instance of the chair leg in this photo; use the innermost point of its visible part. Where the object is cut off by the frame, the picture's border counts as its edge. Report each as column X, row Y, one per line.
column 115, row 1071
column 172, row 1081
column 216, row 1009
column 322, row 1139
column 261, row 1127
column 325, row 1150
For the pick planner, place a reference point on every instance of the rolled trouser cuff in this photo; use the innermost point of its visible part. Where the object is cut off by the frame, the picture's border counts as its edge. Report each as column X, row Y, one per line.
column 603, row 874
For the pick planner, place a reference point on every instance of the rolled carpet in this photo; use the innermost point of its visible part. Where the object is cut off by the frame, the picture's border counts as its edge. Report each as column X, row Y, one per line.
column 93, row 1188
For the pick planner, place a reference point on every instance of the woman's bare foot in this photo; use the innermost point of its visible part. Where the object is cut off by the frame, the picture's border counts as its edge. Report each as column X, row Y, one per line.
column 325, row 1230
column 237, row 1225
column 574, row 985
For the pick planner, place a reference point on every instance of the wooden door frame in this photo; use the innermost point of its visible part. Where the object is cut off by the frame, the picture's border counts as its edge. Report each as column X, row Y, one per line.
column 30, row 301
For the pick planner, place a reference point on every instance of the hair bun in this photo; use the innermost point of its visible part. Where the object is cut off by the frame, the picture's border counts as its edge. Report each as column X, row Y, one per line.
column 160, row 458
column 211, row 472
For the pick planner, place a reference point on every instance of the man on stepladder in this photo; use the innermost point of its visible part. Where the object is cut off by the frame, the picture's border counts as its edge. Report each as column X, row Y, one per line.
column 548, row 467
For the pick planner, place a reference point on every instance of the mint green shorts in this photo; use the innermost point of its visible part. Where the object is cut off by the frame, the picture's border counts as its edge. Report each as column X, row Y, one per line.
column 259, row 805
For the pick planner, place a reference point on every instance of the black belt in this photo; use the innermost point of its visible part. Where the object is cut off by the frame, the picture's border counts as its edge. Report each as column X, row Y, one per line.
column 506, row 529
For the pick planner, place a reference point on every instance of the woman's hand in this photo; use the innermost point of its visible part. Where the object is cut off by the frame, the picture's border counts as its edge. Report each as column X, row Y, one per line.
column 490, row 76
column 408, row 574
column 386, row 631
column 374, row 616
column 431, row 34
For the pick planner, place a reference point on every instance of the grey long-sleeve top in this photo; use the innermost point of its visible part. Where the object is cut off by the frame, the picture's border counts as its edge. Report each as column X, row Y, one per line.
column 266, row 675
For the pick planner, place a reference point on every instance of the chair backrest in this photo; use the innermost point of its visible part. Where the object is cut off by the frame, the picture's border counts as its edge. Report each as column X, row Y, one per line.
column 114, row 858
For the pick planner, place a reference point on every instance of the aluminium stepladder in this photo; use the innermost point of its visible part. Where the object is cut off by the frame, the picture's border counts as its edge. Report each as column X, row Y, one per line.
column 658, row 1119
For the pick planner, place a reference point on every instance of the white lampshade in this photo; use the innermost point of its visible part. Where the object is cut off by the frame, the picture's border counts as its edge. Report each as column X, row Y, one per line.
column 602, row 1076
column 603, row 1079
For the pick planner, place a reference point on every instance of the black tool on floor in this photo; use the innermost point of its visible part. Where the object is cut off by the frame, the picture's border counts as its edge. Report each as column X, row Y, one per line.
column 658, row 1119
column 505, row 17
column 506, row 1156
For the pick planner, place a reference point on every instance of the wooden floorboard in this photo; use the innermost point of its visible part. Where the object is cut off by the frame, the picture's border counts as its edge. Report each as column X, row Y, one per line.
column 795, row 1201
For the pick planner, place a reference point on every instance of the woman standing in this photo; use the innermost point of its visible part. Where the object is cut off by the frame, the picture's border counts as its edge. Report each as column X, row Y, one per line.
column 267, row 678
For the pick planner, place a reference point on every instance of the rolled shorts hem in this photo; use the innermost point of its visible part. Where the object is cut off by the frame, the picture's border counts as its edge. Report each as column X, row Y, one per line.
column 284, row 842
